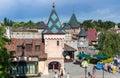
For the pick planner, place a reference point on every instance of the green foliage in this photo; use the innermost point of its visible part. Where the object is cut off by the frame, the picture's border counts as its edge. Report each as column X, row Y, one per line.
column 108, row 43
column 88, row 24
column 17, row 24
column 7, row 22
column 4, row 55
column 118, row 25
column 98, row 24
column 28, row 24
column 109, row 24
column 4, row 62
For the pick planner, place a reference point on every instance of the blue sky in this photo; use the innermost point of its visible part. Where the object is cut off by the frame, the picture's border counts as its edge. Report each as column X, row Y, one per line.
column 39, row 10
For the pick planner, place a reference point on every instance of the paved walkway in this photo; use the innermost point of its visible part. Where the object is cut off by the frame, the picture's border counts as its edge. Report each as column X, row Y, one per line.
column 78, row 72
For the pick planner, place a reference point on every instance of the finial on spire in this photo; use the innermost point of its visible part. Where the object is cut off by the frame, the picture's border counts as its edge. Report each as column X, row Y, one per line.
column 53, row 5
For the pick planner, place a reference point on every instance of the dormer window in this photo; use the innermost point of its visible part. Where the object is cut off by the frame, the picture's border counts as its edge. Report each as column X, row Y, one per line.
column 20, row 46
column 28, row 45
column 37, row 46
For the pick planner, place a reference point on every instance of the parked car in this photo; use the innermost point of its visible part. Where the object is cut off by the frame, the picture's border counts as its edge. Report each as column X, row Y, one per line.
column 99, row 65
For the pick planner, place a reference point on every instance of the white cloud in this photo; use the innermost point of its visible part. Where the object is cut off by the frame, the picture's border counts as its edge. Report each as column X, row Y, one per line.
column 103, row 11
column 84, row 9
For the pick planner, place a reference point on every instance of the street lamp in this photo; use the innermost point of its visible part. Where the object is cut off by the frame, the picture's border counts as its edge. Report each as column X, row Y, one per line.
column 85, row 72
column 103, row 71
column 23, row 47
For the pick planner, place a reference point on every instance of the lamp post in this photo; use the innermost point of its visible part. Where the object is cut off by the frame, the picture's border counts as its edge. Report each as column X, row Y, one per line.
column 23, row 47
column 85, row 72
column 103, row 71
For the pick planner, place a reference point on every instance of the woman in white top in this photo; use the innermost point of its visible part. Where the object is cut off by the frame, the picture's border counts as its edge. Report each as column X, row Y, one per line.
column 68, row 75
column 56, row 75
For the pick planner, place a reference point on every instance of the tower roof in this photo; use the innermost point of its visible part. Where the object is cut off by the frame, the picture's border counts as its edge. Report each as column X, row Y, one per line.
column 66, row 26
column 54, row 25
column 73, row 21
column 92, row 34
column 82, row 33
column 42, row 25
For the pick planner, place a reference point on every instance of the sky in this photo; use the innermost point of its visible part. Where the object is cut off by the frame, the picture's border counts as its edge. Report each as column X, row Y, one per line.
column 39, row 10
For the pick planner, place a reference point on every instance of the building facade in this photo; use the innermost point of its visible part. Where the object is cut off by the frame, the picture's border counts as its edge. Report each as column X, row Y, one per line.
column 29, row 55
column 36, row 51
column 83, row 42
column 54, row 37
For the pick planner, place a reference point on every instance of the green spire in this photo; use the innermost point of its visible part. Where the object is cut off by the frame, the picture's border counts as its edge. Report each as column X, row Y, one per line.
column 73, row 21
column 66, row 26
column 54, row 25
column 82, row 33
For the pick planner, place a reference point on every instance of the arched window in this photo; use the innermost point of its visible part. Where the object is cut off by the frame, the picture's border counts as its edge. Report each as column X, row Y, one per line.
column 57, row 43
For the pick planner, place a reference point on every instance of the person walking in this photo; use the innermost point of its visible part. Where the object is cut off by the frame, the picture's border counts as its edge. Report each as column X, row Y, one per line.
column 68, row 75
column 109, row 67
column 56, row 75
column 94, row 72
column 119, row 68
column 61, row 74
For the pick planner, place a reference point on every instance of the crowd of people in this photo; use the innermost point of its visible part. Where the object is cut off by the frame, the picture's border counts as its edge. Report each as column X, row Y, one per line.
column 108, row 67
column 61, row 74
column 114, row 66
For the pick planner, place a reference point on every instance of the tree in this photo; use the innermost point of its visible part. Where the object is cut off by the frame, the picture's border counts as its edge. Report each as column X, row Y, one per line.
column 118, row 25
column 5, row 21
column 108, row 43
column 109, row 24
column 17, row 24
column 88, row 24
column 4, row 55
column 8, row 22
column 28, row 24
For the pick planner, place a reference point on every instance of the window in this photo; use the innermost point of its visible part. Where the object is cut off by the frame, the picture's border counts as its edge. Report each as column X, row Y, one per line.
column 37, row 48
column 57, row 43
column 19, row 49
column 23, row 68
column 28, row 47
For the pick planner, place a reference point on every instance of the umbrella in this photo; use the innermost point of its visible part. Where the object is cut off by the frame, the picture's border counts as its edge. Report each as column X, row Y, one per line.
column 82, row 55
column 100, row 56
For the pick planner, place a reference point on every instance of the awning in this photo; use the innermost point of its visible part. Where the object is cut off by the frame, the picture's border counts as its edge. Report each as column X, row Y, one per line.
column 68, row 48
column 83, row 55
column 100, row 56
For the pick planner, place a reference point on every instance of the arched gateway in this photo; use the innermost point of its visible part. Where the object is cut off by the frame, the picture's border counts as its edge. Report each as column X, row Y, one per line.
column 54, row 65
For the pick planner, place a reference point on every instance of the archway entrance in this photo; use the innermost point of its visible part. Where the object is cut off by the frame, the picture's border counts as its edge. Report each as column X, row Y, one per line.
column 54, row 65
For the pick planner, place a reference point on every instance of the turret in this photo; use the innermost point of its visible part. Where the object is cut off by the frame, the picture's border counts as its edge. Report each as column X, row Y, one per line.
column 82, row 41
